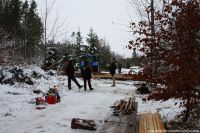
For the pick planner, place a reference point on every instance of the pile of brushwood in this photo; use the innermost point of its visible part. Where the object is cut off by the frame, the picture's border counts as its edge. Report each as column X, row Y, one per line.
column 11, row 75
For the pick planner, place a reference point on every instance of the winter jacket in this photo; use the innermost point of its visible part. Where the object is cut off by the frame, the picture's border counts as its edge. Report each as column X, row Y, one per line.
column 70, row 69
column 112, row 68
column 86, row 72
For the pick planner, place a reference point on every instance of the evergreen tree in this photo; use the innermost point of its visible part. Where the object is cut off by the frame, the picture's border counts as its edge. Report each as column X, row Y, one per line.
column 25, row 10
column 15, row 17
column 34, row 30
column 105, row 54
column 93, row 41
column 76, row 45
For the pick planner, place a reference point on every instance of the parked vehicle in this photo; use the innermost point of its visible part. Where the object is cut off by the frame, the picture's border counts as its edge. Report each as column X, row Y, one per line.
column 92, row 60
column 136, row 69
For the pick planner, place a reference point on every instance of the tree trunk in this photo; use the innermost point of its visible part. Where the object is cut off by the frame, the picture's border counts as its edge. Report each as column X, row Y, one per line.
column 187, row 113
column 152, row 18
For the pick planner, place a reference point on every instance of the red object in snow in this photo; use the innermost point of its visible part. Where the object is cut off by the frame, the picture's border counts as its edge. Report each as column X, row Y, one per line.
column 51, row 99
column 39, row 101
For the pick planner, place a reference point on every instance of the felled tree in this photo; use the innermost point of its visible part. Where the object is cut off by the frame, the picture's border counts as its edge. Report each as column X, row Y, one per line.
column 173, row 53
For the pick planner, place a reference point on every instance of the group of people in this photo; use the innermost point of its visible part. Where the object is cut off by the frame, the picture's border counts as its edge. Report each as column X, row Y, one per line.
column 86, row 73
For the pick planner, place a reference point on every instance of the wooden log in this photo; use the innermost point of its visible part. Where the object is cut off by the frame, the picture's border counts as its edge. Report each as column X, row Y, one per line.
column 119, row 105
column 133, row 106
column 130, row 108
column 122, row 107
column 77, row 123
column 127, row 105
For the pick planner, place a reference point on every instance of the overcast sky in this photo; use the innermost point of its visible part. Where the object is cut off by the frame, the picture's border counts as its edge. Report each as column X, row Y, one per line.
column 104, row 16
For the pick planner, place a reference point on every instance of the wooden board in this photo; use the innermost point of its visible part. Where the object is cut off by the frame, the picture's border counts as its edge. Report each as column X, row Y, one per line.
column 149, row 122
column 124, row 123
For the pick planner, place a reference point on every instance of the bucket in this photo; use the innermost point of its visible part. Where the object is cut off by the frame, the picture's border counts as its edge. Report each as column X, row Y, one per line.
column 51, row 99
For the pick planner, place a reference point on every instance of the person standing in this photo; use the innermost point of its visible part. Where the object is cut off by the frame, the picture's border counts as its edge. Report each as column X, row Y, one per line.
column 86, row 75
column 113, row 71
column 119, row 68
column 70, row 74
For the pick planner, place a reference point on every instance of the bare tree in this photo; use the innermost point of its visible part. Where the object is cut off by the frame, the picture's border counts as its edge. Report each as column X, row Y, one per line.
column 51, row 32
column 145, row 8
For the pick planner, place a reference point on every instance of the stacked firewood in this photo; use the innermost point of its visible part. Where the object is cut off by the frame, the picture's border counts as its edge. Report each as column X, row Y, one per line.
column 124, row 106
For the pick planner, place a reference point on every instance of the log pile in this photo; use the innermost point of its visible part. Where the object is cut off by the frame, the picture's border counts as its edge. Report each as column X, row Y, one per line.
column 124, row 106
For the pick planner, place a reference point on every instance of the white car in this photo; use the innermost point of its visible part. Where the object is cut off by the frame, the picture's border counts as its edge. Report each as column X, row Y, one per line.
column 136, row 69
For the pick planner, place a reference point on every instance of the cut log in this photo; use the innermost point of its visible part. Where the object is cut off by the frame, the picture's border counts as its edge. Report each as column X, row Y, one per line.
column 122, row 107
column 119, row 105
column 127, row 104
column 83, row 124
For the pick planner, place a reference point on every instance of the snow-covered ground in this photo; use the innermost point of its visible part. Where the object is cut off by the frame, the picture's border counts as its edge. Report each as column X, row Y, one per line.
column 18, row 113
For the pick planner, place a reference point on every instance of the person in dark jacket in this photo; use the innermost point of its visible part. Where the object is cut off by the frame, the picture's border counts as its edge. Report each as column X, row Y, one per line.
column 113, row 71
column 70, row 74
column 86, row 75
column 119, row 68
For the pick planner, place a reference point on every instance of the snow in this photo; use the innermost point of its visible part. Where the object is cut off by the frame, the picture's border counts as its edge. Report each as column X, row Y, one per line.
column 18, row 113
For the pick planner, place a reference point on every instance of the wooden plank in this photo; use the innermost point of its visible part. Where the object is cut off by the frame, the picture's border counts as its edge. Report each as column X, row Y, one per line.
column 124, row 123
column 157, row 122
column 151, row 126
column 149, row 122
column 161, row 123
column 142, row 124
column 154, row 122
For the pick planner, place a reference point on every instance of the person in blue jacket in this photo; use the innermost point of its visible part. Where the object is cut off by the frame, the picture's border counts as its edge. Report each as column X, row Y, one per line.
column 86, row 75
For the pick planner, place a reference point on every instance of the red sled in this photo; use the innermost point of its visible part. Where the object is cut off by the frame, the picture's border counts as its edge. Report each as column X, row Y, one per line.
column 51, row 99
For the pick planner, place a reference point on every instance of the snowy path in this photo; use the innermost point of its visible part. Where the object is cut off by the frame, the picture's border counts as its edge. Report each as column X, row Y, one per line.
column 18, row 113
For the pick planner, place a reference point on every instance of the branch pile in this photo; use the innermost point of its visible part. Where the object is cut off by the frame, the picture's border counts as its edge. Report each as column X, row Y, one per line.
column 11, row 75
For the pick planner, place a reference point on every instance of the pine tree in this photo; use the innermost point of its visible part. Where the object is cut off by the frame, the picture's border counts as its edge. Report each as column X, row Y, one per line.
column 105, row 54
column 34, row 30
column 25, row 10
column 93, row 41
column 15, row 17
column 79, row 41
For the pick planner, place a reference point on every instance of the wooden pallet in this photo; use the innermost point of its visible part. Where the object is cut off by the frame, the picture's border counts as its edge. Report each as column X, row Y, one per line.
column 124, row 123
column 150, row 123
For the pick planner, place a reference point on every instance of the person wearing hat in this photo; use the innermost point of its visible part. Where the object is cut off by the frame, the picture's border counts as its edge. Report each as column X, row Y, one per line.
column 70, row 74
